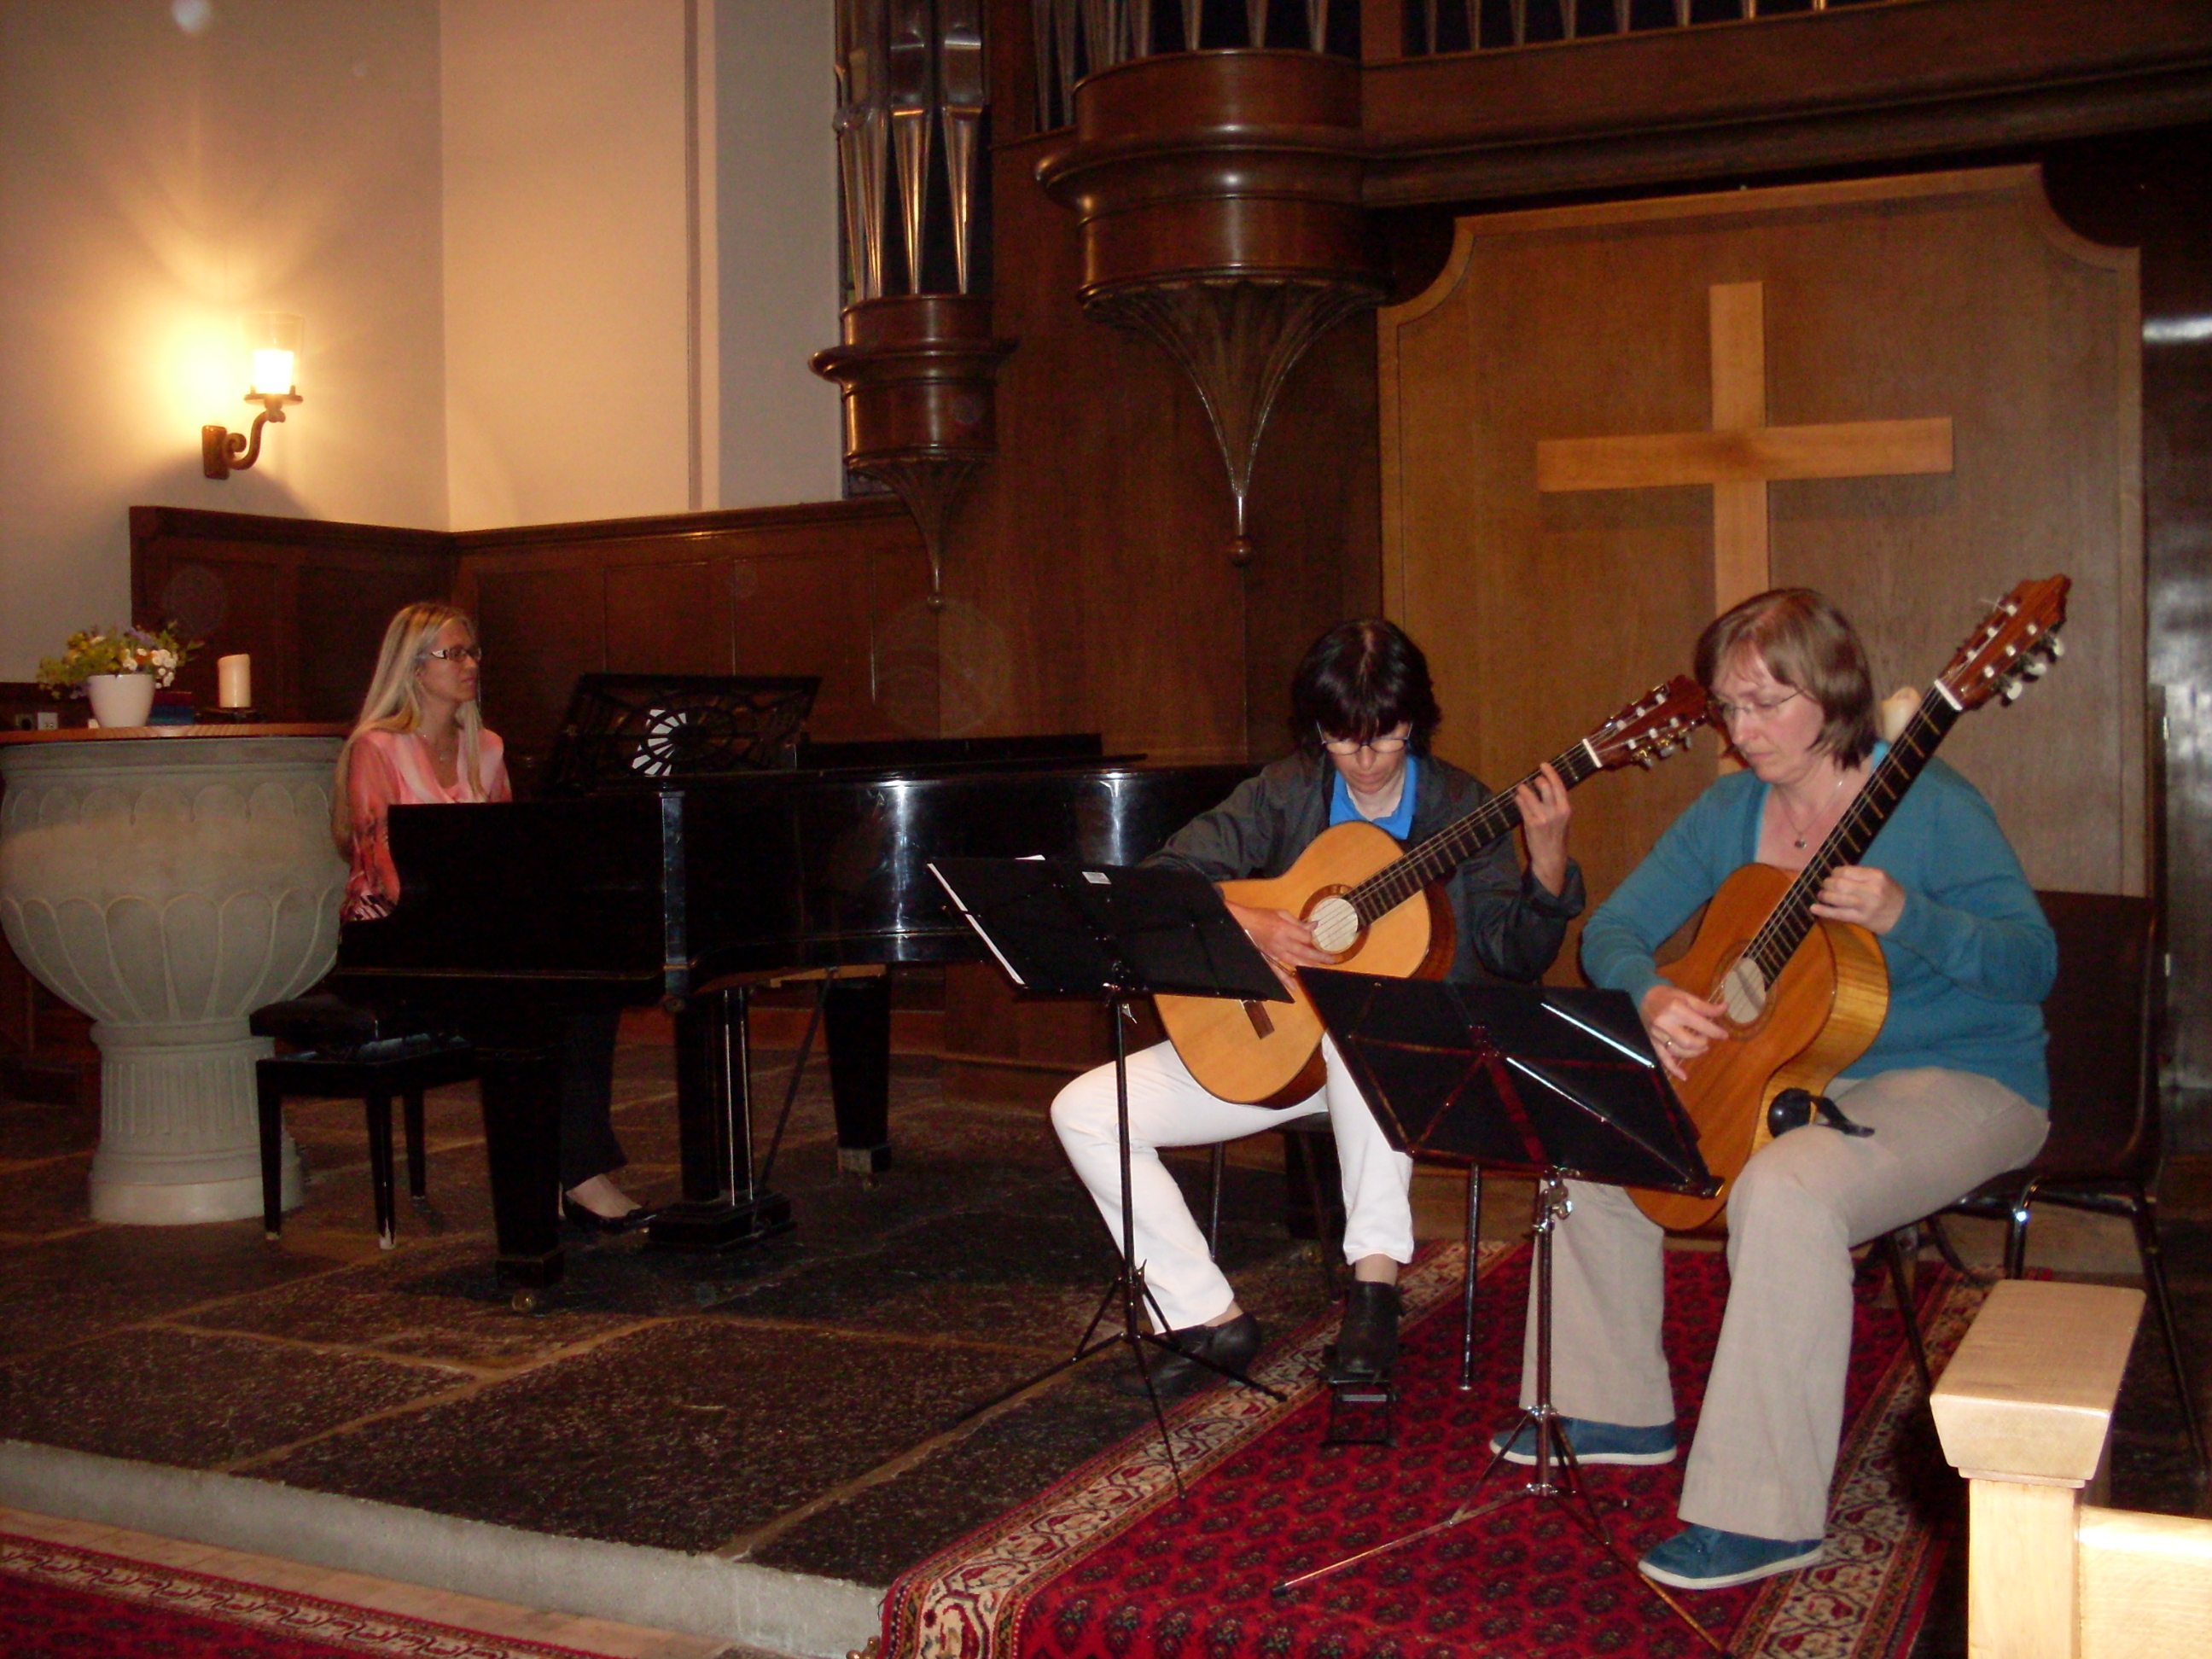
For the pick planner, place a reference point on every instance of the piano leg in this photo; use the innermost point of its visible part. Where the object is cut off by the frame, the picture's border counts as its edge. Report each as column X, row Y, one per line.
column 858, row 1021
column 723, row 1207
column 522, row 1144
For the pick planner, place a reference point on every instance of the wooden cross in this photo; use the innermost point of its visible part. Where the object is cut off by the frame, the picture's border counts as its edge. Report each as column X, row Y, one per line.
column 1741, row 455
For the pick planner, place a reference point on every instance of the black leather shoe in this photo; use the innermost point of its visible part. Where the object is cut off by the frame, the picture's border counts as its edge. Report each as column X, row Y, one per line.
column 591, row 1221
column 1367, row 1343
column 1234, row 1345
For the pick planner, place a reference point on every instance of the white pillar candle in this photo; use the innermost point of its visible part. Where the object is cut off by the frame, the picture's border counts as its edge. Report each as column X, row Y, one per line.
column 234, row 679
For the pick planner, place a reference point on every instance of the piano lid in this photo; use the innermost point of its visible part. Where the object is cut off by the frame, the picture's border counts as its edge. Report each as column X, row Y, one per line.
column 779, row 870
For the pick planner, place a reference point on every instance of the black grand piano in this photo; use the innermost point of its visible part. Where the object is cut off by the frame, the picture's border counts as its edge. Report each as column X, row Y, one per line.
column 676, row 869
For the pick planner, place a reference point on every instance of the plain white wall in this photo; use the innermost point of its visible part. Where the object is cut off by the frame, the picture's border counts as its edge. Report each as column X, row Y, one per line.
column 157, row 184
column 480, row 210
column 776, row 208
column 566, row 261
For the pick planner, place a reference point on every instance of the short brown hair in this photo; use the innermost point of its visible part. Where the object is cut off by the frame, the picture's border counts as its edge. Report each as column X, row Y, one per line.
column 1360, row 680
column 1808, row 645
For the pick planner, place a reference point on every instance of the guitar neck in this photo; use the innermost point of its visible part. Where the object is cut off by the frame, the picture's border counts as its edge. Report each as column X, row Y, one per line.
column 1784, row 929
column 1445, row 851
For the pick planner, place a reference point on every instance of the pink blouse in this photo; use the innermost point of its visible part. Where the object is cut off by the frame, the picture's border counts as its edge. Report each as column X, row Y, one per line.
column 394, row 768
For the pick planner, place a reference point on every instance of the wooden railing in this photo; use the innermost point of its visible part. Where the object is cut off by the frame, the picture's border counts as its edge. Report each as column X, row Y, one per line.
column 1078, row 38
column 2025, row 1411
column 1430, row 27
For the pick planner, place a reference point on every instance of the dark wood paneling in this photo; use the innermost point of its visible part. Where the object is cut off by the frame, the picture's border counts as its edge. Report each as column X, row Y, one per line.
column 1320, row 469
column 838, row 589
column 307, row 598
column 668, row 618
column 333, row 671
column 540, row 628
column 835, row 589
column 1845, row 88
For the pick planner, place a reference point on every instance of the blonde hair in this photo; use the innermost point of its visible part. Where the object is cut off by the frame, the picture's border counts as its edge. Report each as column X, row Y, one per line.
column 394, row 703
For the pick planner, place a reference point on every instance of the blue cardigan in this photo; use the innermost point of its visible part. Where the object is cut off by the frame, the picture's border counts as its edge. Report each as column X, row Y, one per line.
column 1970, row 960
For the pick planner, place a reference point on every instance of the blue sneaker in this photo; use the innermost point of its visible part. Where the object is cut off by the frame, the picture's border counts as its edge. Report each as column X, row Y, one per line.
column 1705, row 1557
column 1595, row 1442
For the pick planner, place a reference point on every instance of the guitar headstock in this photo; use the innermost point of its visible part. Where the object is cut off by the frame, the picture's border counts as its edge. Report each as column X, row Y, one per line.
column 1652, row 727
column 2016, row 643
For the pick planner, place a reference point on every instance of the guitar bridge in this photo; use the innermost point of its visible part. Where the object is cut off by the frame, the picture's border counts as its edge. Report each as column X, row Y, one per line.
column 1262, row 1024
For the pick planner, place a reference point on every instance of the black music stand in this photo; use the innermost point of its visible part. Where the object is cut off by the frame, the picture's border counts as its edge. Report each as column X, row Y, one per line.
column 1116, row 933
column 1557, row 1082
column 629, row 731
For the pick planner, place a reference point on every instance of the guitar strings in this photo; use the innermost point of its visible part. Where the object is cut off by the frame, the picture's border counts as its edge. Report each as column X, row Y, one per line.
column 1391, row 886
column 1791, row 919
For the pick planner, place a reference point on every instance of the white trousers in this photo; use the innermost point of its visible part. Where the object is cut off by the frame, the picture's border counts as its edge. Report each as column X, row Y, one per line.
column 1774, row 1405
column 1167, row 1106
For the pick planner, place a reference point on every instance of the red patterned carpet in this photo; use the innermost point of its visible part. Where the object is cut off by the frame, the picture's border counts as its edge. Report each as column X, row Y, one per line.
column 55, row 1601
column 1108, row 1565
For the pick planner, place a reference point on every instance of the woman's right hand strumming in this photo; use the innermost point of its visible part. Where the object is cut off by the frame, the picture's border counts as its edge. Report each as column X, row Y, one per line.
column 1286, row 942
column 1681, row 1026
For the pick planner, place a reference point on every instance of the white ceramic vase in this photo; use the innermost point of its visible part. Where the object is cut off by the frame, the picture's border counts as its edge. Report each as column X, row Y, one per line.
column 169, row 887
column 120, row 699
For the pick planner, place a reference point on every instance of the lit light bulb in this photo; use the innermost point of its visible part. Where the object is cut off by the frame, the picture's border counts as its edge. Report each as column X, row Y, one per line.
column 272, row 370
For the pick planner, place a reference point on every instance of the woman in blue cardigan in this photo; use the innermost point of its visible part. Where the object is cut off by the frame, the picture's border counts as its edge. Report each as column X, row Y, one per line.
column 1954, row 1088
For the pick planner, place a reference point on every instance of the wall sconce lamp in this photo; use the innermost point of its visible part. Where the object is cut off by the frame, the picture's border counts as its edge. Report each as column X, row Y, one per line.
column 275, row 339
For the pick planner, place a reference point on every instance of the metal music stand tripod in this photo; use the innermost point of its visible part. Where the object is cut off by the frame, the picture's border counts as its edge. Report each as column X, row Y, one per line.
column 1116, row 933
column 1557, row 1082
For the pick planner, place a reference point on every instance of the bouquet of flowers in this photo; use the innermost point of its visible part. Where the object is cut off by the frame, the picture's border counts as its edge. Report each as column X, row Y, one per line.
column 159, row 652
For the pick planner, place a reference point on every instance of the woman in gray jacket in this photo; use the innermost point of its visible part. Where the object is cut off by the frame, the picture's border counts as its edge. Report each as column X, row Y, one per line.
column 1363, row 712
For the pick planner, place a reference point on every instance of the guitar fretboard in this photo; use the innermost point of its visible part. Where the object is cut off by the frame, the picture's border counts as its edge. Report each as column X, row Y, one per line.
column 1784, row 929
column 1445, row 851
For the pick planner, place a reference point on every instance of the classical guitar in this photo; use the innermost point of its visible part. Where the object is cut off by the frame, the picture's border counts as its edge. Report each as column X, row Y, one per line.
column 1355, row 888
column 1806, row 996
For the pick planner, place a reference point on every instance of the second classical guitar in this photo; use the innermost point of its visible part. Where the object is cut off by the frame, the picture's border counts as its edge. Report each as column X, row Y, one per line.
column 1804, row 996
column 1357, row 890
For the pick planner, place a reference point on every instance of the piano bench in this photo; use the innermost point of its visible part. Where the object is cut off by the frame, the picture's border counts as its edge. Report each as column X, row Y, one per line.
column 343, row 1051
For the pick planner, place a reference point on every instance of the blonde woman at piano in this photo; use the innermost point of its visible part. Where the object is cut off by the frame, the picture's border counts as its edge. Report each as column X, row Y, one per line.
column 420, row 740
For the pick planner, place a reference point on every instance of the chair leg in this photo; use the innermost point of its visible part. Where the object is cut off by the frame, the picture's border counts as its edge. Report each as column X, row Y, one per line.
column 379, row 1105
column 1901, row 1285
column 1330, row 1248
column 270, row 1103
column 2142, row 1211
column 2023, row 1211
column 1220, row 1164
column 418, row 1180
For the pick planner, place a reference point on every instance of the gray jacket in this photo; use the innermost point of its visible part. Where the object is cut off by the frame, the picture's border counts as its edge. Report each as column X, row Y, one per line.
column 1508, row 926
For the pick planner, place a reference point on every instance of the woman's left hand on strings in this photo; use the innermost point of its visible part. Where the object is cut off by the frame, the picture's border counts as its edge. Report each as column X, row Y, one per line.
column 1862, row 894
column 1544, row 810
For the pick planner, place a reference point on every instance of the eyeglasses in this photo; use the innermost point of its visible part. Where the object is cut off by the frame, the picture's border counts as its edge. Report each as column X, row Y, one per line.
column 457, row 653
column 1732, row 713
column 1354, row 745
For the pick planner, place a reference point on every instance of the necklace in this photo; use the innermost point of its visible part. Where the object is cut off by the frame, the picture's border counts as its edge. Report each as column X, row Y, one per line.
column 1805, row 829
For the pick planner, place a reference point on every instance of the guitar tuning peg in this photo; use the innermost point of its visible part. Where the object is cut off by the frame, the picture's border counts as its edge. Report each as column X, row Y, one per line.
column 2037, row 667
column 2058, row 645
column 2009, row 688
column 1643, row 759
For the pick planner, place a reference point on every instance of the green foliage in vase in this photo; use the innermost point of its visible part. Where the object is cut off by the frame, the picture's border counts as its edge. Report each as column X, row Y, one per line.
column 159, row 652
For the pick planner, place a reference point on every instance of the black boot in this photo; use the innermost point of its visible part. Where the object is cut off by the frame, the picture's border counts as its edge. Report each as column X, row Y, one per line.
column 1233, row 1346
column 1367, row 1343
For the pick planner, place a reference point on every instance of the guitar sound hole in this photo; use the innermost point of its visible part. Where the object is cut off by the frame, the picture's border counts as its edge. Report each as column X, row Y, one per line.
column 1335, row 924
column 1743, row 992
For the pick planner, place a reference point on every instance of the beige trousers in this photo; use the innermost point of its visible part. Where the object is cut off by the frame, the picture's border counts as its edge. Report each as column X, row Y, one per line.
column 1774, row 1405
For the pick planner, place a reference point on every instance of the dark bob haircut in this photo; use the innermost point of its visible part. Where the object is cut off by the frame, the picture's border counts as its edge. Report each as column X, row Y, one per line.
column 1357, row 681
column 1807, row 643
